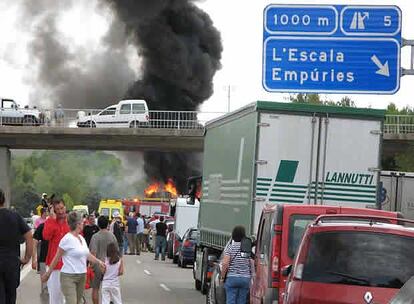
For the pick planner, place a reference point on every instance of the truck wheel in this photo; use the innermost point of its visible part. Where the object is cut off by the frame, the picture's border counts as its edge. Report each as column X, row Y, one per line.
column 197, row 284
column 29, row 121
column 204, row 266
column 175, row 259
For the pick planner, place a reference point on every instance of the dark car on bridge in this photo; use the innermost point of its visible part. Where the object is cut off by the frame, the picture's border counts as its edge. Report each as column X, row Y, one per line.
column 186, row 251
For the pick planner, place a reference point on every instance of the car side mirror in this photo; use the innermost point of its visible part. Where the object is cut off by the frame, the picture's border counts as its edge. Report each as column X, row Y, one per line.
column 246, row 248
column 286, row 270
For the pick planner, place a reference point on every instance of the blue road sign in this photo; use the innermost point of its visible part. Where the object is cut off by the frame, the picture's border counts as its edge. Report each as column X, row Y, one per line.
column 332, row 49
column 331, row 65
column 300, row 19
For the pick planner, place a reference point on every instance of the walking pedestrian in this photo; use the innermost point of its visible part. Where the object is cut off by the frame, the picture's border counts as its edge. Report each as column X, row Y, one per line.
column 132, row 233
column 40, row 246
column 161, row 239
column 117, row 228
column 98, row 247
column 236, row 270
column 111, row 287
column 13, row 229
column 90, row 228
column 55, row 228
column 140, row 233
column 74, row 252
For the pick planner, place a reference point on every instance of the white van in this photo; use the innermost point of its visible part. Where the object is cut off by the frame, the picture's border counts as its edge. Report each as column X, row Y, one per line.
column 126, row 114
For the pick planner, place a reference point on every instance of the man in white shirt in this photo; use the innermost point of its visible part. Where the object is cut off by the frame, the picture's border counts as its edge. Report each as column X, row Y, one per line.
column 140, row 232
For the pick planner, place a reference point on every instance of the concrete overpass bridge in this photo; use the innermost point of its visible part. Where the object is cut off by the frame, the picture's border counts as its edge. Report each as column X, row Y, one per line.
column 168, row 132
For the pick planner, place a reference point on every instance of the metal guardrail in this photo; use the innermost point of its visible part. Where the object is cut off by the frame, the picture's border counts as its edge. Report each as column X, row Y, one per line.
column 68, row 118
column 399, row 124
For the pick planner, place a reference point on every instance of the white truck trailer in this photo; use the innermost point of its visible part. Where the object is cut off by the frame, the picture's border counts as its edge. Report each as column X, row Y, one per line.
column 278, row 153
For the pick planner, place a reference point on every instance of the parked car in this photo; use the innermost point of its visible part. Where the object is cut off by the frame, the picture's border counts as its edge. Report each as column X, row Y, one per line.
column 351, row 259
column 280, row 231
column 127, row 113
column 186, row 251
column 11, row 114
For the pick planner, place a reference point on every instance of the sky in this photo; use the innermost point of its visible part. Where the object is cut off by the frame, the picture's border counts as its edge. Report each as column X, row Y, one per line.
column 241, row 27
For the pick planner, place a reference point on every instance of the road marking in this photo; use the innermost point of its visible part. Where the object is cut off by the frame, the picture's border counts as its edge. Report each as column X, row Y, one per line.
column 147, row 272
column 139, row 262
column 25, row 272
column 163, row 286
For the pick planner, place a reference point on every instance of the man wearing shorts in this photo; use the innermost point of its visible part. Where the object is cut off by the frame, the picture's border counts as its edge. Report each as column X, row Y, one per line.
column 98, row 246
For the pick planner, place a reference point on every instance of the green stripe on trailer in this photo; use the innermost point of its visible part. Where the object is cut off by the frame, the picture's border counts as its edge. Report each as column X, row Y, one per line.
column 261, row 194
column 285, row 200
column 290, row 191
column 290, row 186
column 264, row 184
column 348, row 190
column 343, row 194
column 262, row 189
column 346, row 185
column 288, row 195
column 327, row 198
column 264, row 179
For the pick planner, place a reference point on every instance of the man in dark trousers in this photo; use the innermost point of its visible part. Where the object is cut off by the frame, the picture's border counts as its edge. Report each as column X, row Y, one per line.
column 13, row 229
column 161, row 239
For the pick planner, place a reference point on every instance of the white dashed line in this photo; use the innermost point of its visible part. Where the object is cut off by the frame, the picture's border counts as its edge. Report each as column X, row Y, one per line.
column 139, row 262
column 163, row 286
column 147, row 272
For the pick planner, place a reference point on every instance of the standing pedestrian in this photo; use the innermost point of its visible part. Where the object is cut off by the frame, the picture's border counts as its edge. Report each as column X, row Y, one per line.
column 132, row 233
column 55, row 228
column 161, row 239
column 13, row 229
column 117, row 228
column 146, row 245
column 236, row 270
column 90, row 228
column 98, row 247
column 111, row 287
column 39, row 255
column 74, row 252
column 140, row 233
column 41, row 219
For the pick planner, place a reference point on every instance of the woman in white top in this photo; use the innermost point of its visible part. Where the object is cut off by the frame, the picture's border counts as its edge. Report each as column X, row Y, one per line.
column 74, row 252
column 111, row 288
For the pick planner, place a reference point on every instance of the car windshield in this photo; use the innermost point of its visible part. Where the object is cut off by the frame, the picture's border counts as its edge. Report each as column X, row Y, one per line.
column 105, row 211
column 359, row 258
column 297, row 227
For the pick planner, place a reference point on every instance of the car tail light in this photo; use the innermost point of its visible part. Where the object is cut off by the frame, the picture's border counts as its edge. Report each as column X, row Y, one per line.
column 277, row 242
column 187, row 243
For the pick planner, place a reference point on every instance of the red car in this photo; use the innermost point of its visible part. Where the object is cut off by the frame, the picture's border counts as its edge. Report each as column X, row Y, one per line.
column 351, row 259
column 280, row 231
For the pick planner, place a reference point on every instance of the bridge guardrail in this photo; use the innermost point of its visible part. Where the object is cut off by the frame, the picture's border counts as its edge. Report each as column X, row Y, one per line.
column 68, row 118
column 399, row 124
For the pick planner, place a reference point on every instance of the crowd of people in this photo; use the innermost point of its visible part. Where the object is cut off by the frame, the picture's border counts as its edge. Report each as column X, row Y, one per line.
column 72, row 252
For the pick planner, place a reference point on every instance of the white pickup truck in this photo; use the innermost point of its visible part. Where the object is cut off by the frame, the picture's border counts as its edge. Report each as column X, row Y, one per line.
column 127, row 113
column 11, row 114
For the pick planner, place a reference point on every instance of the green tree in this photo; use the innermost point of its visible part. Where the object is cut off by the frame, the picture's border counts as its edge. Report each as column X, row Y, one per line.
column 316, row 99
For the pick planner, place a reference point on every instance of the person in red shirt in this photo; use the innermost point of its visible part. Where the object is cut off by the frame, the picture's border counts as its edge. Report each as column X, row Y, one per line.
column 54, row 230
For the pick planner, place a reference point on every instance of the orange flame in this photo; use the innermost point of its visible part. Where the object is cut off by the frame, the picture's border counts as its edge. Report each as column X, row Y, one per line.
column 151, row 189
column 170, row 187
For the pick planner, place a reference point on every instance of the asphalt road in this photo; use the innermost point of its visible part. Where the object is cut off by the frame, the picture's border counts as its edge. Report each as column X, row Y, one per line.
column 145, row 281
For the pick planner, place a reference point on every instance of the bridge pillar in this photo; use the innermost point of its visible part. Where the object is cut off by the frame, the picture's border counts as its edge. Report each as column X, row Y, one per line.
column 5, row 174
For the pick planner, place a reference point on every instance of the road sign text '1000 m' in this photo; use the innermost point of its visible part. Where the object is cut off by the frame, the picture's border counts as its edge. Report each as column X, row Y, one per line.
column 332, row 49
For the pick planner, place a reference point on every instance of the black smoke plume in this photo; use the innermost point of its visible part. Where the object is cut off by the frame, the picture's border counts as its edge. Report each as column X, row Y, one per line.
column 181, row 52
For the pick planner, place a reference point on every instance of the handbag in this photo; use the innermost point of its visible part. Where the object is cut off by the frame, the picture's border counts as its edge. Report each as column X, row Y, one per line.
column 231, row 261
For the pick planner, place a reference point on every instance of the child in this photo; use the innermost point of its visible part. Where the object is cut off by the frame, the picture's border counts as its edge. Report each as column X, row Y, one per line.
column 111, row 288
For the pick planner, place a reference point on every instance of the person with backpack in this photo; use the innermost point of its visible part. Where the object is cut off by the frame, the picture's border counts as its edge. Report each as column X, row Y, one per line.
column 111, row 286
column 118, row 229
column 236, row 270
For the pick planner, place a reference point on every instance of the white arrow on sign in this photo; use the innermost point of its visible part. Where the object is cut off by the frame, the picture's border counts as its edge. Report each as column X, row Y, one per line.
column 383, row 68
